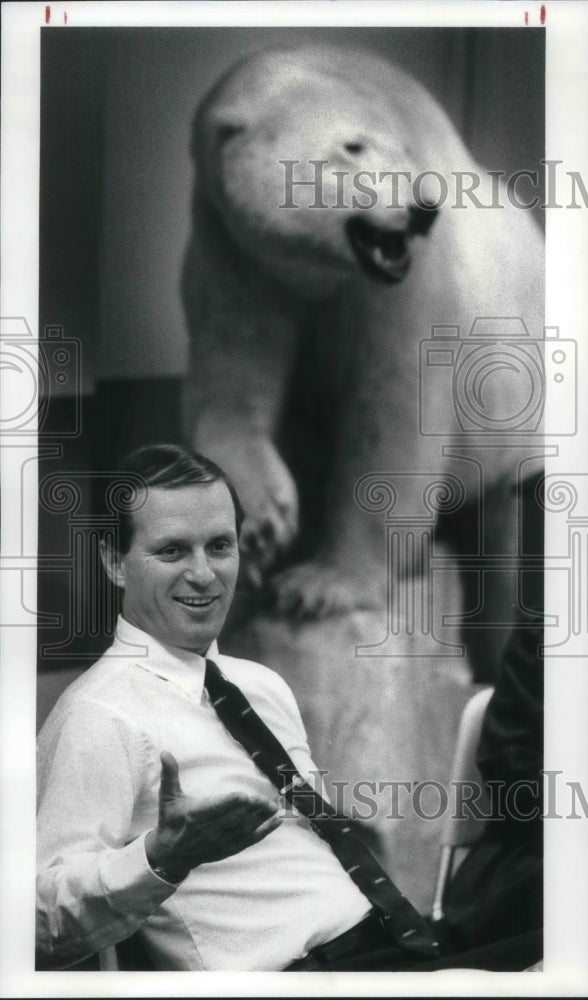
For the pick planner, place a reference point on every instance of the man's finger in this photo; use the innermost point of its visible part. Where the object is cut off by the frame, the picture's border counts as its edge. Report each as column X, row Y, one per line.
column 234, row 808
column 249, row 830
column 272, row 823
column 252, row 815
column 170, row 786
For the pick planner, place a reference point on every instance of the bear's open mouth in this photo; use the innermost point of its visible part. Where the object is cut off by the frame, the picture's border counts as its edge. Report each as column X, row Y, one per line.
column 382, row 254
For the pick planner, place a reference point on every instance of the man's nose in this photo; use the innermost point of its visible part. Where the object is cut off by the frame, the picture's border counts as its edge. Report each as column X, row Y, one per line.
column 198, row 570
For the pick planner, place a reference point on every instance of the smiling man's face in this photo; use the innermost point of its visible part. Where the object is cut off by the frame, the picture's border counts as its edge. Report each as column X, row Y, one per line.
column 180, row 572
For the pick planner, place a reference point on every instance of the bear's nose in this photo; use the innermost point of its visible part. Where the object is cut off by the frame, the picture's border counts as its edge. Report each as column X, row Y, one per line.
column 354, row 147
column 422, row 218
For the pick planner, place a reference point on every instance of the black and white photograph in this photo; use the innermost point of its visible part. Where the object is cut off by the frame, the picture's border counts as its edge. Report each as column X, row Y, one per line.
column 294, row 560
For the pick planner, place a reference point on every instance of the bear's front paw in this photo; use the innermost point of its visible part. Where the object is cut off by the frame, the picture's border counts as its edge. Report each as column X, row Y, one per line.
column 270, row 500
column 264, row 535
column 316, row 590
column 266, row 489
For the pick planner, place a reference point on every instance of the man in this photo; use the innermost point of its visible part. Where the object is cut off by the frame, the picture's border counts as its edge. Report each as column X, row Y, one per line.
column 153, row 816
column 150, row 815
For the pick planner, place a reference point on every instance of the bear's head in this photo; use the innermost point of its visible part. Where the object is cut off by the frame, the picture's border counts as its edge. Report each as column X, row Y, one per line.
column 324, row 160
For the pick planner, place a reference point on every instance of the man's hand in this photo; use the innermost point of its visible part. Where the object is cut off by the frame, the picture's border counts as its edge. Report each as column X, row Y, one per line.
column 190, row 832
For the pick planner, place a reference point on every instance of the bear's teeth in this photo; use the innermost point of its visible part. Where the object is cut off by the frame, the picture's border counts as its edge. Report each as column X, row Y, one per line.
column 382, row 254
column 385, row 263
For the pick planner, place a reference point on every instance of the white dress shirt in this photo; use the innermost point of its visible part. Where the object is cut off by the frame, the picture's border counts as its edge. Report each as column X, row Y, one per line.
column 98, row 785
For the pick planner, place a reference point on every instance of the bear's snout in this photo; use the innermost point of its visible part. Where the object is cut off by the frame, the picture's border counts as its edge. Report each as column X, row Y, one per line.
column 382, row 253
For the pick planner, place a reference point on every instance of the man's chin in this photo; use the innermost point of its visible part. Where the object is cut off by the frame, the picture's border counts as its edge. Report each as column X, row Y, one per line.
column 197, row 636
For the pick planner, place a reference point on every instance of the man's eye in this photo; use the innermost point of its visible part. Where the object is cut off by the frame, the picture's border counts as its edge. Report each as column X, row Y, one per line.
column 222, row 545
column 169, row 552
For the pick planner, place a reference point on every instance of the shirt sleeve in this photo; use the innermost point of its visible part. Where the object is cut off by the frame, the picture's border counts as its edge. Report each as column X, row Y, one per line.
column 94, row 884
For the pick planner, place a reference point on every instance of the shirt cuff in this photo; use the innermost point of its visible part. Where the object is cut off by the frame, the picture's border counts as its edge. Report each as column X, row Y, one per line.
column 131, row 883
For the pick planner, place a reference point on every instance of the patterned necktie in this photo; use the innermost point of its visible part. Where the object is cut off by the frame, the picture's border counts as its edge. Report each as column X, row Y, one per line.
column 405, row 925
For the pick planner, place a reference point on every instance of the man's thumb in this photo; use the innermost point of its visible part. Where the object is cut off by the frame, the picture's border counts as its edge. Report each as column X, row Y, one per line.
column 170, row 776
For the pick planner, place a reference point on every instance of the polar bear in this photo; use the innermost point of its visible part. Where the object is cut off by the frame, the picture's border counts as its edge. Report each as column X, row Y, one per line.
column 332, row 231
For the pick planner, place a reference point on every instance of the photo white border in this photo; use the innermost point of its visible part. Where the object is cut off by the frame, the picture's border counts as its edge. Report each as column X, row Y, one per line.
column 566, row 843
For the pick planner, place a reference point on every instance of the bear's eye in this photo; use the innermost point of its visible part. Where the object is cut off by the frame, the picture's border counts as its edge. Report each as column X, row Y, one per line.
column 226, row 132
column 354, row 147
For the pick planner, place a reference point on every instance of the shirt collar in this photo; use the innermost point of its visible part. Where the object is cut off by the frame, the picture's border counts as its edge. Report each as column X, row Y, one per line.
column 180, row 666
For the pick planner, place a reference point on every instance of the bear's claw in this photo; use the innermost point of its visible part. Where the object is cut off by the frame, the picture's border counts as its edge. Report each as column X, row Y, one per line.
column 313, row 590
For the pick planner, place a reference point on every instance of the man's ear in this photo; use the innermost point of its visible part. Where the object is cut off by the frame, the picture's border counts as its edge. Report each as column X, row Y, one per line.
column 113, row 563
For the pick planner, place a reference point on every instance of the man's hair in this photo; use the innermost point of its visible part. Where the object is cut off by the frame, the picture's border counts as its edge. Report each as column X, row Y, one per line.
column 168, row 467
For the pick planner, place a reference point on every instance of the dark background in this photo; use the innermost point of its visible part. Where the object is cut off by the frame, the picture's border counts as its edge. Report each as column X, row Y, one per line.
column 116, row 178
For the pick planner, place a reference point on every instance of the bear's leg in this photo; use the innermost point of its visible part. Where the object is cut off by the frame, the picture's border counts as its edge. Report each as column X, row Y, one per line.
column 379, row 455
column 243, row 337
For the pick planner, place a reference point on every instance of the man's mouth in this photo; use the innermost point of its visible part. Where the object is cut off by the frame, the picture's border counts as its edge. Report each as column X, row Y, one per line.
column 196, row 602
column 382, row 254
